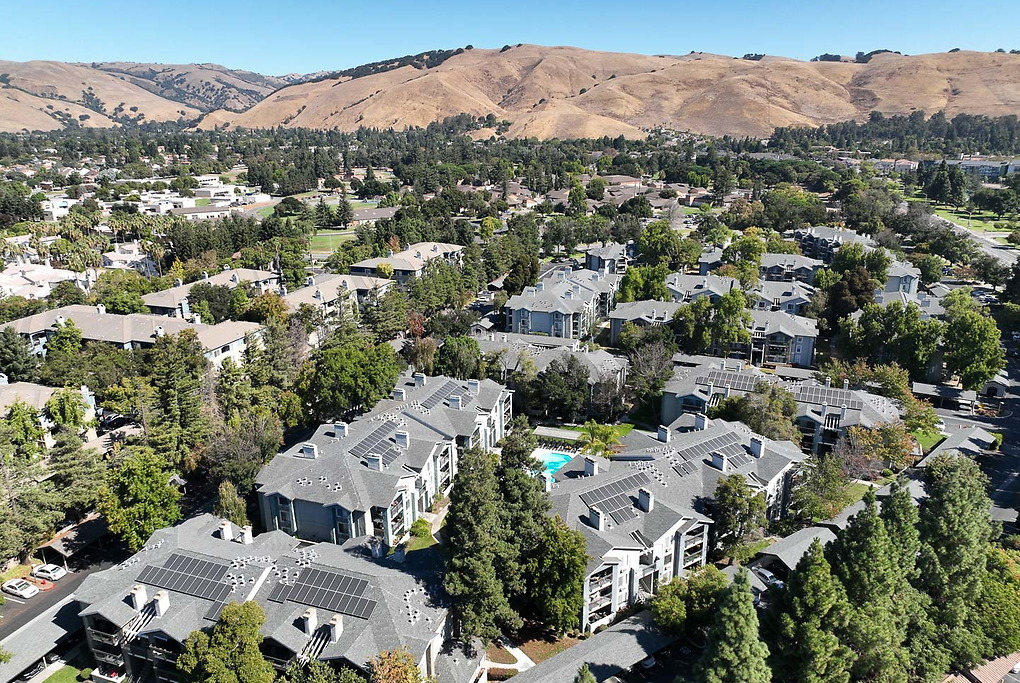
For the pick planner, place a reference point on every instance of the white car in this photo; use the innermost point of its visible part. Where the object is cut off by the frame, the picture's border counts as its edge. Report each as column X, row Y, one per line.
column 941, row 427
column 21, row 588
column 50, row 572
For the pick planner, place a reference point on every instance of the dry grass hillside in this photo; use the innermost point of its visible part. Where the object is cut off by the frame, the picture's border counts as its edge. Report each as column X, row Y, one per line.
column 538, row 89
column 202, row 86
column 51, row 95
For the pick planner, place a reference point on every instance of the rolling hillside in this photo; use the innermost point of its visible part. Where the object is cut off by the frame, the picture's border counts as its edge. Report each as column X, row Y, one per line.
column 542, row 91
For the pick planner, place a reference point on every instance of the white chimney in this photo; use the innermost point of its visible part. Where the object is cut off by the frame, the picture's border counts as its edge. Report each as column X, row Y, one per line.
column 419, row 379
column 664, row 434
column 546, row 480
column 196, row 318
column 137, row 596
column 700, row 421
column 205, row 274
column 455, row 401
column 309, row 450
column 180, row 282
column 757, row 446
column 226, row 530
column 309, row 621
column 591, row 466
column 162, row 601
column 596, row 519
column 246, row 536
column 720, row 462
column 340, row 430
column 842, row 413
column 474, row 386
column 336, row 627
column 646, row 499
column 234, row 278
column 101, row 309
column 402, row 438
column 846, row 384
column 160, row 331
column 374, row 462
column 828, row 381
column 3, row 379
column 400, row 394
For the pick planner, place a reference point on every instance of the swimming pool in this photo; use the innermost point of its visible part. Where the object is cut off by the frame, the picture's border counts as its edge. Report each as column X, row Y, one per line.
column 552, row 460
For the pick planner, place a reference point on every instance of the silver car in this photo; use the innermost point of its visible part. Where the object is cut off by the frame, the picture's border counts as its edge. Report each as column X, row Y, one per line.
column 21, row 588
column 50, row 572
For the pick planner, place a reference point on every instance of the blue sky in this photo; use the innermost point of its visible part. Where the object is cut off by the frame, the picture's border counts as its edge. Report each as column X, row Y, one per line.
column 312, row 35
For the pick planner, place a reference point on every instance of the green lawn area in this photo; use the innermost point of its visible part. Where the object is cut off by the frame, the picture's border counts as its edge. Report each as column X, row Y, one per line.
column 622, row 429
column 69, row 672
column 856, row 491
column 980, row 221
column 328, row 241
column 265, row 211
column 420, row 543
column 928, row 440
column 202, row 201
column 18, row 571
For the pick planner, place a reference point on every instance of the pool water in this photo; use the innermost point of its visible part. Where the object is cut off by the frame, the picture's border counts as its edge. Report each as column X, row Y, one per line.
column 552, row 460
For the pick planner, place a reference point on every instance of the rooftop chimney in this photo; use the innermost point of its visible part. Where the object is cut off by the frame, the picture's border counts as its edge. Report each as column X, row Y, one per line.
column 205, row 274
column 340, row 430
column 757, row 446
column 309, row 450
column 474, row 386
column 225, row 530
column 402, row 438
column 700, row 421
column 162, row 600
column 455, row 402
column 336, row 627
column 101, row 309
column 309, row 621
column 591, row 466
column 596, row 519
column 419, row 379
column 3, row 379
column 400, row 394
column 160, row 331
column 720, row 462
column 828, row 381
column 546, row 480
column 374, row 462
column 846, row 384
column 180, row 282
column 842, row 413
column 663, row 434
column 137, row 596
column 646, row 499
column 246, row 536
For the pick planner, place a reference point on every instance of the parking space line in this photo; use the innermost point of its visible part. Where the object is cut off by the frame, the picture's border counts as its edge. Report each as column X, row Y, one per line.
column 20, row 602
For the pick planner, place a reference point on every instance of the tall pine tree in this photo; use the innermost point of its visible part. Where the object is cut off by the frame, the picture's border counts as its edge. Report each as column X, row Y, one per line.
column 814, row 612
column 479, row 603
column 735, row 653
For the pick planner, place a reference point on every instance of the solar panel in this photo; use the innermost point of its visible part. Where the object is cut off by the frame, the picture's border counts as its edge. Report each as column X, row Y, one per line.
column 205, row 584
column 614, row 498
column 331, row 591
column 440, row 395
column 377, row 443
column 685, row 468
column 830, row 395
column 739, row 381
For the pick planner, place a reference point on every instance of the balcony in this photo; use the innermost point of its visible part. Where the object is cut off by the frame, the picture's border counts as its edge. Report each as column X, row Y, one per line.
column 104, row 637
column 108, row 657
column 102, row 674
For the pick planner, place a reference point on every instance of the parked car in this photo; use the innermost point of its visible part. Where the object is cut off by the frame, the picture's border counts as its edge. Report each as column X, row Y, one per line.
column 767, row 577
column 50, row 572
column 941, row 427
column 20, row 588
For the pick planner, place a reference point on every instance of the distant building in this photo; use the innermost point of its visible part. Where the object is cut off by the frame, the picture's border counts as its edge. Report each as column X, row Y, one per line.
column 564, row 303
column 822, row 242
column 410, row 262
column 788, row 268
column 687, row 288
column 173, row 302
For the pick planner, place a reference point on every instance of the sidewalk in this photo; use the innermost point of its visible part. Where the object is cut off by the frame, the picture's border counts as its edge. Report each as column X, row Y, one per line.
column 522, row 663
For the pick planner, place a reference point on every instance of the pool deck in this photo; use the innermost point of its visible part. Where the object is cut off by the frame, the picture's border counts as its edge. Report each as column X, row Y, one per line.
column 556, row 433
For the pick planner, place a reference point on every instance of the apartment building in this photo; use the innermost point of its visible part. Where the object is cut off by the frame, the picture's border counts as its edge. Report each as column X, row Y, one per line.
column 565, row 303
column 173, row 302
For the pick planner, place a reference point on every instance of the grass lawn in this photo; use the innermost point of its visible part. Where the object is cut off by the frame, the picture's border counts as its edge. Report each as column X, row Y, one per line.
column 497, row 654
column 328, row 241
column 202, row 201
column 856, row 491
column 69, row 672
column 622, row 429
column 420, row 543
column 980, row 221
column 928, row 440
column 265, row 211
column 18, row 571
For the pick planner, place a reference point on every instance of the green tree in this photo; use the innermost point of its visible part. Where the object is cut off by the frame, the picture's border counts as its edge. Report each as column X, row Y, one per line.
column 823, row 489
column 813, row 612
column 735, row 654
column 584, row 675
column 67, row 407
column 229, row 505
column 353, row 374
column 577, row 201
column 972, row 348
column 660, row 244
column 739, row 515
column 459, row 357
column 30, row 504
column 563, row 388
column 138, row 498
column 598, row 439
column 956, row 528
column 344, row 213
column 179, row 424
column 770, row 410
column 16, row 359
column 24, row 430
column 78, row 474
column 644, row 282
column 686, row 604
column 317, row 671
column 479, row 605
column 230, row 652
column 395, row 666
column 386, row 315
column 894, row 333
column 651, row 366
column 559, row 567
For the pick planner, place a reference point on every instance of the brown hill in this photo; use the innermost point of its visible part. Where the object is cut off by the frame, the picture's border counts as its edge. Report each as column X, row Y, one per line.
column 203, row 86
column 569, row 92
column 52, row 95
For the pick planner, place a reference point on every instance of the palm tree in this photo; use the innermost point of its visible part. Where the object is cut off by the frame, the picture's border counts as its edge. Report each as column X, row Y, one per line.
column 599, row 439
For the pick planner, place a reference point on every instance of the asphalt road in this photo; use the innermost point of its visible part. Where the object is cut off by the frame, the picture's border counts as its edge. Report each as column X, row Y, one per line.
column 1006, row 257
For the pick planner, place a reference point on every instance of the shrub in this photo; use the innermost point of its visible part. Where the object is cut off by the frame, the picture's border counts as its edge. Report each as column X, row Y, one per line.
column 501, row 674
column 421, row 528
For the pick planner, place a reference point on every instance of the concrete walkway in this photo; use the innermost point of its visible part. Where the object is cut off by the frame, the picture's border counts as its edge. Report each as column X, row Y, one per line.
column 522, row 661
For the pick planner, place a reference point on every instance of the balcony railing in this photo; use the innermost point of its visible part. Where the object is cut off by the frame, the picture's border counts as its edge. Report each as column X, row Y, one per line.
column 103, row 637
column 112, row 677
column 109, row 658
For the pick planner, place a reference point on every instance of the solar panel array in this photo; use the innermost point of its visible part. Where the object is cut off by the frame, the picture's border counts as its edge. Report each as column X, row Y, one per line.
column 189, row 575
column 440, row 395
column 685, row 468
column 331, row 591
column 830, row 395
column 736, row 380
column 614, row 499
column 727, row 444
column 377, row 443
